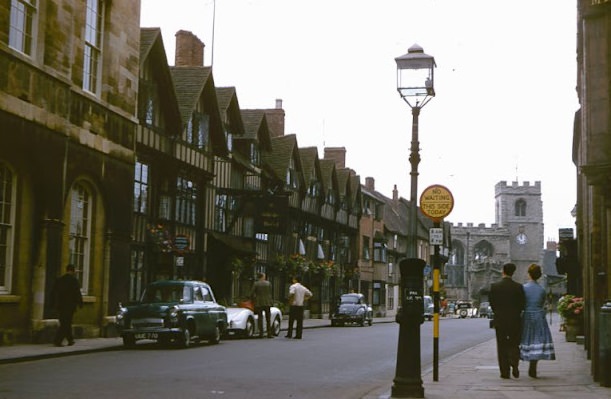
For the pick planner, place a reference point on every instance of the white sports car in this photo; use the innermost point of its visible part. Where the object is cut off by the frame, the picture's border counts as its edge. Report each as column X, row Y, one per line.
column 242, row 322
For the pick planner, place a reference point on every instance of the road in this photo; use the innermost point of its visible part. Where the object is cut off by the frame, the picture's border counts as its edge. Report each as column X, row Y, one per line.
column 339, row 362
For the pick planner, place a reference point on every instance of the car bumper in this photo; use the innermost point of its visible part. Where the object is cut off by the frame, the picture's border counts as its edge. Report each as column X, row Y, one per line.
column 347, row 318
column 152, row 333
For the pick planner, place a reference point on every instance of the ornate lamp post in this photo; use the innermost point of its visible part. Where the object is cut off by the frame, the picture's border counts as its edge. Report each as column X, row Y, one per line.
column 415, row 84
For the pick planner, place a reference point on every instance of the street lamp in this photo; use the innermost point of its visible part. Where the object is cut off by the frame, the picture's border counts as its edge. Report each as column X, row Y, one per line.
column 415, row 85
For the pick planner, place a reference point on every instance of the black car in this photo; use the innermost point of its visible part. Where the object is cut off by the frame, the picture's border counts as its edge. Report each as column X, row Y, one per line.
column 173, row 311
column 352, row 308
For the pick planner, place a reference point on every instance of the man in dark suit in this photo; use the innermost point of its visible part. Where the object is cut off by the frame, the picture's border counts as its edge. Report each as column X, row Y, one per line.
column 507, row 301
column 66, row 296
column 261, row 295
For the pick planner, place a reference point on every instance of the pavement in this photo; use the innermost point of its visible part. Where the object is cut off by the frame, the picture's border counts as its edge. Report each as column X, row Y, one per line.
column 471, row 374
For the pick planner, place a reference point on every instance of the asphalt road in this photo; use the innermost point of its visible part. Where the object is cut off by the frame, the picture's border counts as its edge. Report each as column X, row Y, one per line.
column 339, row 362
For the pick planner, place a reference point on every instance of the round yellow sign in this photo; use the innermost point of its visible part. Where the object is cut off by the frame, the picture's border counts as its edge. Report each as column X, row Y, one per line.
column 436, row 202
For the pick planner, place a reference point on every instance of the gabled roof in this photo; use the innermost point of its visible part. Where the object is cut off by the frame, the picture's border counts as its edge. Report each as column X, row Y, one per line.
column 191, row 85
column 343, row 181
column 256, row 127
column 283, row 148
column 152, row 51
column 328, row 175
column 229, row 108
column 309, row 162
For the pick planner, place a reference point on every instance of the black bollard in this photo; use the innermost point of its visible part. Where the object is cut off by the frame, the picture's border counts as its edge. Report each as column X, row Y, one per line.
column 408, row 379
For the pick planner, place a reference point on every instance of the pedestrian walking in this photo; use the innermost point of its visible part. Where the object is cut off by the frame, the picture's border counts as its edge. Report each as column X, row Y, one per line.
column 298, row 294
column 261, row 295
column 507, row 301
column 536, row 343
column 65, row 297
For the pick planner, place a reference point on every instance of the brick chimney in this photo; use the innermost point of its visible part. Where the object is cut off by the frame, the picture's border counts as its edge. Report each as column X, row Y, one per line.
column 395, row 195
column 337, row 155
column 189, row 49
column 370, row 183
column 275, row 119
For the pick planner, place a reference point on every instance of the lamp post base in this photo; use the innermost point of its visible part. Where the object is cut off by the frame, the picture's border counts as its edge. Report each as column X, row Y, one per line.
column 402, row 388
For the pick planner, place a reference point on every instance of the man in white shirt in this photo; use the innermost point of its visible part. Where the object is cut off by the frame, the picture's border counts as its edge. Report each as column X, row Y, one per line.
column 298, row 294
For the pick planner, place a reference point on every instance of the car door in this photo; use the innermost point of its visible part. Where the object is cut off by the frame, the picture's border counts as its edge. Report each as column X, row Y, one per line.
column 201, row 314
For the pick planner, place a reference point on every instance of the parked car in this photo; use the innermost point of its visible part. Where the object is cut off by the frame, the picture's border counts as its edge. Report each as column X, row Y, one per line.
column 485, row 310
column 242, row 322
column 352, row 308
column 173, row 311
column 465, row 309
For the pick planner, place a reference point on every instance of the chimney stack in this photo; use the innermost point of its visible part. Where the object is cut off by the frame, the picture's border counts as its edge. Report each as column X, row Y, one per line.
column 370, row 183
column 189, row 50
column 275, row 119
column 337, row 155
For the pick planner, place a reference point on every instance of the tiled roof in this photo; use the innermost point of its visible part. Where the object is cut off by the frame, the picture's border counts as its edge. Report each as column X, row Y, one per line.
column 229, row 108
column 189, row 83
column 329, row 179
column 152, row 51
column 283, row 148
column 256, row 127
column 309, row 156
column 224, row 95
column 148, row 36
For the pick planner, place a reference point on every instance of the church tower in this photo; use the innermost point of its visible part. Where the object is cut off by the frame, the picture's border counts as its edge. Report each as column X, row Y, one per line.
column 519, row 209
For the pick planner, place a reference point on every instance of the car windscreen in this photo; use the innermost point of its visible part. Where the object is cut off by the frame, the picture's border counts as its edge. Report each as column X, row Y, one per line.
column 349, row 299
column 166, row 293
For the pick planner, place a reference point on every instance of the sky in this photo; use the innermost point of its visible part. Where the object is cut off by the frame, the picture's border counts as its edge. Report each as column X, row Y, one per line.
column 504, row 83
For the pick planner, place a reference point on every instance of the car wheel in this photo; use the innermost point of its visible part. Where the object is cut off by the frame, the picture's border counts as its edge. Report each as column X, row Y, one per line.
column 463, row 313
column 276, row 326
column 249, row 330
column 129, row 341
column 370, row 322
column 216, row 338
column 185, row 339
column 362, row 322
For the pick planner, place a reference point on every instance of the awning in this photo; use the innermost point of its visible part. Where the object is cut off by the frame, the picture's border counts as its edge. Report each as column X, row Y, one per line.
column 241, row 245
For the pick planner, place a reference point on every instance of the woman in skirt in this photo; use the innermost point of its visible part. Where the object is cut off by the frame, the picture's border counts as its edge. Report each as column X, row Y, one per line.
column 536, row 341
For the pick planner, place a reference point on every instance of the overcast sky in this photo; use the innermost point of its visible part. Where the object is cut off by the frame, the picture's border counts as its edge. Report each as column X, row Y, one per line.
column 505, row 87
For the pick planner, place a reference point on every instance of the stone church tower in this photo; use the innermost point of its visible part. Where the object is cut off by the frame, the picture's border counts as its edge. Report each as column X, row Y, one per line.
column 519, row 209
column 479, row 251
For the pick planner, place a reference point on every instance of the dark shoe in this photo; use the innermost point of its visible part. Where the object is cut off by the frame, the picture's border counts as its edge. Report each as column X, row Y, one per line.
column 506, row 377
column 532, row 370
column 515, row 372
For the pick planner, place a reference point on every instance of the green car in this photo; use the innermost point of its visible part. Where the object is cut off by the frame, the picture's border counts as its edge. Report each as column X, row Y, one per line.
column 173, row 311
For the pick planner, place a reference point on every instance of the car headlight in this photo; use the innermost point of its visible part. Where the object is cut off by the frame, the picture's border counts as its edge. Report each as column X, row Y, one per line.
column 121, row 315
column 173, row 315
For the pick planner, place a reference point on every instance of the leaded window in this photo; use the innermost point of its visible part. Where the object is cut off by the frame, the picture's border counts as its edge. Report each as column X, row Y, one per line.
column 21, row 32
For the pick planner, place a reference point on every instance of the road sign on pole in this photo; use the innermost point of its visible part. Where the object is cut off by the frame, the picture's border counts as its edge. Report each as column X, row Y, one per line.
column 436, row 202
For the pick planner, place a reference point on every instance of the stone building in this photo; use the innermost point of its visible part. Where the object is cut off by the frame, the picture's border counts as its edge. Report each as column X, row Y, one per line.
column 479, row 252
column 592, row 158
column 68, row 99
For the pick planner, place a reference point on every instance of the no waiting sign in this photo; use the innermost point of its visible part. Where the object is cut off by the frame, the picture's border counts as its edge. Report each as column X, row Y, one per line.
column 436, row 202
